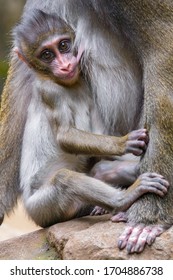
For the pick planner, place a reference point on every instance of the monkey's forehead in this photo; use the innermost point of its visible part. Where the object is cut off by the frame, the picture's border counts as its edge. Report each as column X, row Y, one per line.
column 47, row 38
column 54, row 37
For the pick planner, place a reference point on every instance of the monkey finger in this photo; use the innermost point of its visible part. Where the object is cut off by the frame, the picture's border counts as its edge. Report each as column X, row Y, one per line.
column 137, row 134
column 140, row 134
column 152, row 175
column 145, row 138
column 136, row 147
column 156, row 188
column 155, row 178
column 137, row 152
column 136, row 144
column 160, row 183
column 164, row 182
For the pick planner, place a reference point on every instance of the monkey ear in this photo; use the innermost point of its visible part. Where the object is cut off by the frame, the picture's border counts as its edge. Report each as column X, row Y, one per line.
column 21, row 56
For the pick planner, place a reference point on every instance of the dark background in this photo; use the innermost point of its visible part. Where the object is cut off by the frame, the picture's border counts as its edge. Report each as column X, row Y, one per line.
column 10, row 11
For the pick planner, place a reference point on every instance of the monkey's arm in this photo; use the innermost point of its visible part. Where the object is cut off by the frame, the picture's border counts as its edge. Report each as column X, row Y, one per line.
column 78, row 141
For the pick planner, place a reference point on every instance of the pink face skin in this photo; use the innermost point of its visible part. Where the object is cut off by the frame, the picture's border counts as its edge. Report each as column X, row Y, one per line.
column 58, row 56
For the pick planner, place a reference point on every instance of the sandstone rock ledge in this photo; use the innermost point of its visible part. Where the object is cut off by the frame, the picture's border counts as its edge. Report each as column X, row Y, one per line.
column 31, row 246
column 85, row 238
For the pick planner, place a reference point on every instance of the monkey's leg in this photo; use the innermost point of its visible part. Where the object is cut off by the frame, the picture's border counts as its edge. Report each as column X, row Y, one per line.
column 59, row 195
column 122, row 171
column 62, row 194
column 151, row 215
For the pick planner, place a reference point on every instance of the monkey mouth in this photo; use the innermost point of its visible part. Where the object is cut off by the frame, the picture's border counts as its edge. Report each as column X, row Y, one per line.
column 71, row 74
column 69, row 78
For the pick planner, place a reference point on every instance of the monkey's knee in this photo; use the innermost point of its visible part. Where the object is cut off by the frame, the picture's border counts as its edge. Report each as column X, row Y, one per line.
column 101, row 171
column 115, row 172
column 46, row 212
column 45, row 217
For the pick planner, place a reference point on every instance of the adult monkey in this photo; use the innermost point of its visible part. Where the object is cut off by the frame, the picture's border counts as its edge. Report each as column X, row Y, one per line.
column 148, row 25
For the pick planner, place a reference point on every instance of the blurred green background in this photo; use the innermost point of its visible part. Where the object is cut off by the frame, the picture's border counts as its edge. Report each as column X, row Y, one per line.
column 10, row 11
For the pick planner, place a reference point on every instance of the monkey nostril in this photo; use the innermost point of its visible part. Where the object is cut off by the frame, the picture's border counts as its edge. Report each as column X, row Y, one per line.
column 66, row 68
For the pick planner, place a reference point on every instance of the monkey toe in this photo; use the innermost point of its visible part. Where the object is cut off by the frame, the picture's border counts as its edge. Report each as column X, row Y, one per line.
column 155, row 231
column 123, row 239
column 120, row 217
column 147, row 236
column 134, row 242
column 98, row 211
column 141, row 240
column 135, row 238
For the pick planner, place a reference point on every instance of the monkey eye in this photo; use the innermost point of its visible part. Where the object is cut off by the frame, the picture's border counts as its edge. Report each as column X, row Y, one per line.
column 64, row 46
column 47, row 55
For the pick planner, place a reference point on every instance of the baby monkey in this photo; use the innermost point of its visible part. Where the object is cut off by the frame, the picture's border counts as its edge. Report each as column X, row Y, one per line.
column 63, row 136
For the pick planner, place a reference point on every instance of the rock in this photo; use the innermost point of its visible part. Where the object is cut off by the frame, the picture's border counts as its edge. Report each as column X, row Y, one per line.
column 96, row 238
column 86, row 238
column 32, row 246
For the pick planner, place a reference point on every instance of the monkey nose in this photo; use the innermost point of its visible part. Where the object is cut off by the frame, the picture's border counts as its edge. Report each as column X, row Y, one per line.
column 66, row 68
